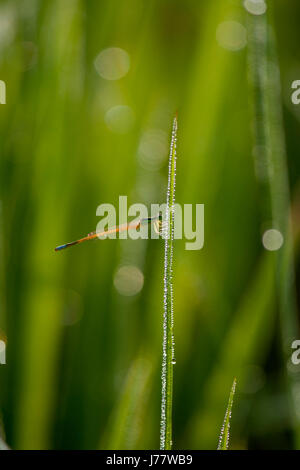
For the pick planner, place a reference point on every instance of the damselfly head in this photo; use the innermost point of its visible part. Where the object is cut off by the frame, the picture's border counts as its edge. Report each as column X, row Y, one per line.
column 159, row 224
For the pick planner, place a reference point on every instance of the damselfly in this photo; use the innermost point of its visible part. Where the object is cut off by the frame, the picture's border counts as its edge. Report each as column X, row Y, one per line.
column 157, row 221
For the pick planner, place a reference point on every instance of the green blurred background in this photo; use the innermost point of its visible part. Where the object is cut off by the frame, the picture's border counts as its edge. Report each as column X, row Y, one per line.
column 84, row 327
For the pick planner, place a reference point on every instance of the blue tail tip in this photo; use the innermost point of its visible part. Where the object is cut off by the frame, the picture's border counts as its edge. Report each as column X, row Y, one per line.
column 61, row 247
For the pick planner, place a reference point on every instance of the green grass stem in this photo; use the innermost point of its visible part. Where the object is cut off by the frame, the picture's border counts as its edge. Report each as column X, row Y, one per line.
column 168, row 360
column 224, row 434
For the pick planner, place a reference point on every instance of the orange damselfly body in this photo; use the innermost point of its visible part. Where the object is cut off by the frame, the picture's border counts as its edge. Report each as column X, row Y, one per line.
column 157, row 221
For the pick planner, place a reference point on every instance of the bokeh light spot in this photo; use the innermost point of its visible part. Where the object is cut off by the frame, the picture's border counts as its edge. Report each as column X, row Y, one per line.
column 231, row 35
column 129, row 280
column 120, row 119
column 272, row 239
column 153, row 149
column 112, row 63
column 256, row 7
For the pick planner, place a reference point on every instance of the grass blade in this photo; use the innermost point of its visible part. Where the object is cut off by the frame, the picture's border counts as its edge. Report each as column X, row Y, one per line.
column 224, row 435
column 269, row 137
column 125, row 426
column 253, row 318
column 168, row 323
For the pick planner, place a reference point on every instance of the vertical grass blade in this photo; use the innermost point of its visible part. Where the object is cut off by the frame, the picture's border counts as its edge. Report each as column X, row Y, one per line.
column 224, row 435
column 125, row 426
column 168, row 359
column 270, row 139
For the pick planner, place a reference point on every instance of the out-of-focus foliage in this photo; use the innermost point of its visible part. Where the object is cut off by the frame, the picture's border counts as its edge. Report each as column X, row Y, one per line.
column 83, row 359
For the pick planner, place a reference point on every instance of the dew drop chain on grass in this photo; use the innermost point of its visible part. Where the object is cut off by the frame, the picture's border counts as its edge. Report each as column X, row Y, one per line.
column 168, row 359
column 224, row 434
